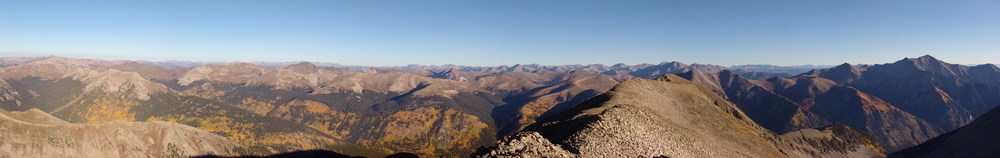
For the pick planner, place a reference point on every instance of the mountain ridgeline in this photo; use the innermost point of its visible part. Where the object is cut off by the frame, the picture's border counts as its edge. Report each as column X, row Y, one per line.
column 670, row 117
column 667, row 109
column 901, row 104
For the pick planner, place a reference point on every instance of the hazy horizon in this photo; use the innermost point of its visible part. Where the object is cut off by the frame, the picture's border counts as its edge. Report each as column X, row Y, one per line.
column 341, row 64
column 398, row 33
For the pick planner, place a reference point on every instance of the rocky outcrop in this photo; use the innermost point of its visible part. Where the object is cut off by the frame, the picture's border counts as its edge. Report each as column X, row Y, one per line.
column 8, row 94
column 525, row 144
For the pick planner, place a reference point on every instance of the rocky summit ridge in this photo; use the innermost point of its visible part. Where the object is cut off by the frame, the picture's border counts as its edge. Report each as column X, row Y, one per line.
column 34, row 133
column 666, row 117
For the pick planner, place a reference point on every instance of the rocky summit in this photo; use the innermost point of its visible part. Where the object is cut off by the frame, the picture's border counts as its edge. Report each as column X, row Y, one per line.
column 671, row 117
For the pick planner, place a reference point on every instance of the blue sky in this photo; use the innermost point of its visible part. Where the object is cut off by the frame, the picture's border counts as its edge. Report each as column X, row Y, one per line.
column 383, row 32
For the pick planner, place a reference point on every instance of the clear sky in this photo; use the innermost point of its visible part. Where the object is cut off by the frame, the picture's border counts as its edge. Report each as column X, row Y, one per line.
column 480, row 32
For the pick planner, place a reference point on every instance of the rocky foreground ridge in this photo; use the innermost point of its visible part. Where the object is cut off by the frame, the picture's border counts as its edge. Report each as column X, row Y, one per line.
column 672, row 117
column 34, row 133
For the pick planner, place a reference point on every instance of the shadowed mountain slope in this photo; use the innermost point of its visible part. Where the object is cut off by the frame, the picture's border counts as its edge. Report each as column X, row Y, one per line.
column 944, row 94
column 787, row 104
column 552, row 99
column 770, row 110
column 977, row 139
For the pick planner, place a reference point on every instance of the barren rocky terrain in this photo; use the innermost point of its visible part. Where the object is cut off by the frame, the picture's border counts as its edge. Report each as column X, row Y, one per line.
column 34, row 133
column 451, row 110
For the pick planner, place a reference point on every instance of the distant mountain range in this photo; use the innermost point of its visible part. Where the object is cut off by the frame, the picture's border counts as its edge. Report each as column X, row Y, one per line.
column 268, row 108
column 758, row 69
column 901, row 103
